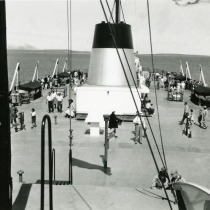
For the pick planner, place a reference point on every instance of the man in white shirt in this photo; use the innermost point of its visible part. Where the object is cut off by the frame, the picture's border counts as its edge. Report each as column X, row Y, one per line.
column 185, row 114
column 49, row 100
column 139, row 125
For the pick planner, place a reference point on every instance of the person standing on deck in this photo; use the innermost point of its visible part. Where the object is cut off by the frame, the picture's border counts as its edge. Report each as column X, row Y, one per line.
column 113, row 123
column 59, row 102
column 54, row 96
column 33, row 118
column 190, row 121
column 139, row 125
column 185, row 114
column 49, row 100
column 200, row 118
column 204, row 116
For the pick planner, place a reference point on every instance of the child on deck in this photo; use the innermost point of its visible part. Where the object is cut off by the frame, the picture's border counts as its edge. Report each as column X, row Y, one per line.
column 33, row 118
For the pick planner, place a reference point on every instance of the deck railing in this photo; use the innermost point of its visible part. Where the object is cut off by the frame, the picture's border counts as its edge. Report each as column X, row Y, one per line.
column 46, row 117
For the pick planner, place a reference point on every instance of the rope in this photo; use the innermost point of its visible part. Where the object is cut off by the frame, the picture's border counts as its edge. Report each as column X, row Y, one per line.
column 157, row 197
column 156, row 100
column 163, row 198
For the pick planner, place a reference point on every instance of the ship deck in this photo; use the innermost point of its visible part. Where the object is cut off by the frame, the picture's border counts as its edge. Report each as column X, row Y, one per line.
column 130, row 166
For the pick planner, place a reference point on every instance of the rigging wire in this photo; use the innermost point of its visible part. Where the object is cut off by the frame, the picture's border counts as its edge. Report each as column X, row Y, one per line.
column 112, row 10
column 150, row 35
column 134, row 99
column 117, row 35
column 148, row 12
column 129, row 86
column 153, row 195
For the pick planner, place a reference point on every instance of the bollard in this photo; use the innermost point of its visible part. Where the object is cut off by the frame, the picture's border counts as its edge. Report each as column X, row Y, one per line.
column 20, row 173
column 55, row 119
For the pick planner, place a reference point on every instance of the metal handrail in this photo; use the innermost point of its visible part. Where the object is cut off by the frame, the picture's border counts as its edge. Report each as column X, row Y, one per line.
column 53, row 163
column 46, row 117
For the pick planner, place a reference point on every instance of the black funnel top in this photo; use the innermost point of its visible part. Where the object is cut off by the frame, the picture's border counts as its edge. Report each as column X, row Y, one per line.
column 122, row 34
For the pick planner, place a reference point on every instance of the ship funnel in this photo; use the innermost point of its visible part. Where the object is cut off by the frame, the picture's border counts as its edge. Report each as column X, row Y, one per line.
column 105, row 67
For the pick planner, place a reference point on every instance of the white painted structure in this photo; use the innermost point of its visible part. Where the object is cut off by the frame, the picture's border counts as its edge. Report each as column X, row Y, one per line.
column 105, row 99
column 99, row 100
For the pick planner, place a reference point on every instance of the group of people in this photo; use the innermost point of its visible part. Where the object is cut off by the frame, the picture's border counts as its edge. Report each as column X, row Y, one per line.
column 17, row 119
column 188, row 116
column 54, row 100
column 78, row 77
column 162, row 180
column 146, row 104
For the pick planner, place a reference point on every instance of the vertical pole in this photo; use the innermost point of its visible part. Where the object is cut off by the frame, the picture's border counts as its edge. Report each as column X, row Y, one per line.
column 70, row 158
column 5, row 140
column 106, row 145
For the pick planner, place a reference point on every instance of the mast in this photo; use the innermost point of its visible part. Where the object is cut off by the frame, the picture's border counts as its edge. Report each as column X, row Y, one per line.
column 55, row 71
column 117, row 14
column 5, row 140
column 15, row 77
column 202, row 76
column 35, row 76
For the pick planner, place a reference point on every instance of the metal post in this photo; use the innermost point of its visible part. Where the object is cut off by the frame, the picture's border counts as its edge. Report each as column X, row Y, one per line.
column 106, row 145
column 53, row 163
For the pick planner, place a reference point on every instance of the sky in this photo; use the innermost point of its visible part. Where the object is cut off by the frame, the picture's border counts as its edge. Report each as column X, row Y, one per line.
column 177, row 26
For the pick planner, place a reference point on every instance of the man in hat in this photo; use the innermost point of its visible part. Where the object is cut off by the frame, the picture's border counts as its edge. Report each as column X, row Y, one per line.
column 139, row 125
column 185, row 114
column 59, row 99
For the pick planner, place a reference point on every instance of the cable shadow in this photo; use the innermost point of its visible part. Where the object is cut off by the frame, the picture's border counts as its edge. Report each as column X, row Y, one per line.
column 22, row 197
column 84, row 164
